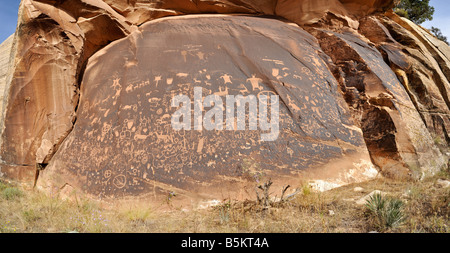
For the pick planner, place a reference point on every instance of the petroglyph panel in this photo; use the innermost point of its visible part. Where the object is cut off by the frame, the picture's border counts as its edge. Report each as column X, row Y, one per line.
column 123, row 143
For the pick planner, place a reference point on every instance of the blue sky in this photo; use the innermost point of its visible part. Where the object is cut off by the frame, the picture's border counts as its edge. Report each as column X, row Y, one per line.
column 9, row 9
column 441, row 18
column 8, row 18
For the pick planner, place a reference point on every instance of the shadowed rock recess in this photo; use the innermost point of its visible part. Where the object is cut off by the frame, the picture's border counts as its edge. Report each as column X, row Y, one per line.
column 89, row 83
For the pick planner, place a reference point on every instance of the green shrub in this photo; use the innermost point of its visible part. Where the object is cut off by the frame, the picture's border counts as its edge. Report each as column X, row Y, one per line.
column 11, row 193
column 31, row 215
column 386, row 212
column 401, row 12
column 3, row 185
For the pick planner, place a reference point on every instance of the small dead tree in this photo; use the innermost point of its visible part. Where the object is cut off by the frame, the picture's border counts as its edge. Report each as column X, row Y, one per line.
column 284, row 192
column 263, row 195
column 264, row 201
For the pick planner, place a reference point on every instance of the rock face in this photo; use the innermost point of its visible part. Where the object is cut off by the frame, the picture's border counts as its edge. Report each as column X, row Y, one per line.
column 125, row 109
column 5, row 53
column 89, row 101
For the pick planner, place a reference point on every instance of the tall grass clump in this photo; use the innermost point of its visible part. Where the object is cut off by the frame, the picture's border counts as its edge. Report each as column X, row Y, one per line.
column 386, row 213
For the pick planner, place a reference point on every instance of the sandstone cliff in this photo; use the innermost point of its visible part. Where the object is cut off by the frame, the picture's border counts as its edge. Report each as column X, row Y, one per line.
column 5, row 55
column 362, row 91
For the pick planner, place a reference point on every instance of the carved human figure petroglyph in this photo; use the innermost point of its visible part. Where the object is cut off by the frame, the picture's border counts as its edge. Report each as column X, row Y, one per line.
column 226, row 78
column 157, row 79
column 254, row 81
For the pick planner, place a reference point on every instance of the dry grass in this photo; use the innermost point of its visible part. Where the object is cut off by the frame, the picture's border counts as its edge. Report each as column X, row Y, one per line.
column 426, row 210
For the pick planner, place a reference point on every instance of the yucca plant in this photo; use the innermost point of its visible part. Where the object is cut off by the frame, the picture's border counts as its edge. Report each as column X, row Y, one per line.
column 387, row 212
